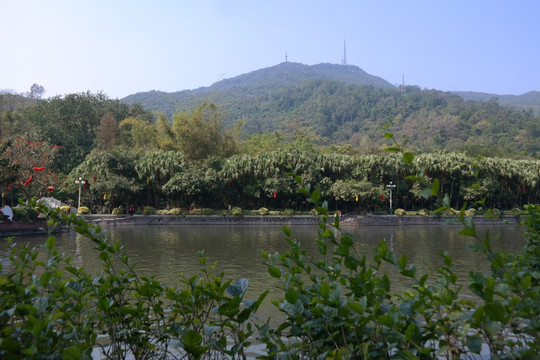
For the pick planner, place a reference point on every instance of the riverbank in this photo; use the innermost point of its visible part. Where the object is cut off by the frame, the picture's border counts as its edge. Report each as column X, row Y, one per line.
column 39, row 228
column 359, row 220
column 8, row 229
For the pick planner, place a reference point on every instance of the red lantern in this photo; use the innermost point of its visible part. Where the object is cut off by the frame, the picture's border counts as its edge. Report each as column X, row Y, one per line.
column 9, row 187
column 275, row 194
column 524, row 189
column 95, row 177
column 382, row 196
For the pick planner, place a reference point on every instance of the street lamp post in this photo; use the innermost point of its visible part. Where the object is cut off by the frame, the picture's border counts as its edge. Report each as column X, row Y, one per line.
column 79, row 182
column 391, row 187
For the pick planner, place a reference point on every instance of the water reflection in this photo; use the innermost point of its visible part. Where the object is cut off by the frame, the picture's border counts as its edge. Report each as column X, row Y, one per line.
column 168, row 250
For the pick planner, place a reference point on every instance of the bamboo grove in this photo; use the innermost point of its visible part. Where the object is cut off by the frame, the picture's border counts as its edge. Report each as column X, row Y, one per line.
column 348, row 182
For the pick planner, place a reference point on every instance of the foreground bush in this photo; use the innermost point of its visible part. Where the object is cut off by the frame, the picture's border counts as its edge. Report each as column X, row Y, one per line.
column 337, row 305
column 51, row 309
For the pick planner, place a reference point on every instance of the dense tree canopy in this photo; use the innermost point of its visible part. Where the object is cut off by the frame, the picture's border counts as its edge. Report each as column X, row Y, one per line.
column 129, row 156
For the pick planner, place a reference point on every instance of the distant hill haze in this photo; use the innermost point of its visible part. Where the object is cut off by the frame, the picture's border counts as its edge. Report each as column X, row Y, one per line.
column 342, row 104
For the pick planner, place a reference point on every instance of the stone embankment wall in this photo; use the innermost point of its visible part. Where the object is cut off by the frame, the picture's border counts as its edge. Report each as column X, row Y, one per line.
column 40, row 228
column 201, row 220
column 389, row 220
column 285, row 220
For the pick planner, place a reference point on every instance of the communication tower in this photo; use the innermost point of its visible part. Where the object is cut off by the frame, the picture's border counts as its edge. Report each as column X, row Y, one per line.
column 344, row 60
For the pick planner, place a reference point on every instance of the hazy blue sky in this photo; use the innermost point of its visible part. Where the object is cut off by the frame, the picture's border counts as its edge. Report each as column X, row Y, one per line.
column 124, row 47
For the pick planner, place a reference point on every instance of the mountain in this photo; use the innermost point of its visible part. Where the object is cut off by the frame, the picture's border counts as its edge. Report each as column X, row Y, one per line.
column 340, row 104
column 529, row 100
column 258, row 82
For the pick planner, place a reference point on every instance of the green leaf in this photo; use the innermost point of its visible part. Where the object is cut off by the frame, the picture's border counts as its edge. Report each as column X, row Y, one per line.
column 495, row 311
column 435, row 186
column 315, row 196
column 388, row 135
column 291, row 296
column 325, row 290
column 287, row 231
column 192, row 343
column 355, row 306
column 468, row 232
column 274, row 272
column 413, row 178
column 408, row 157
column 402, row 261
column 51, row 241
column 411, row 330
column 474, row 343
column 392, row 149
column 72, row 353
column 238, row 288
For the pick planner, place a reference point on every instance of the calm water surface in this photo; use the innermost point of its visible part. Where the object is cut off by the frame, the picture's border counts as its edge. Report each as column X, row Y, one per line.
column 167, row 250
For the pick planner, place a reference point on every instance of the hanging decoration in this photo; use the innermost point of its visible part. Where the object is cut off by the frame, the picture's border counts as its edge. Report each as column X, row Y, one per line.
column 50, row 188
column 275, row 194
column 95, row 177
column 28, row 181
column 356, row 198
column 382, row 196
column 148, row 179
column 105, row 196
column 39, row 168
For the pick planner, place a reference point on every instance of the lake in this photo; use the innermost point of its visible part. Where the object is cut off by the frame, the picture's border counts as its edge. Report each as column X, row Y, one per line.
column 167, row 250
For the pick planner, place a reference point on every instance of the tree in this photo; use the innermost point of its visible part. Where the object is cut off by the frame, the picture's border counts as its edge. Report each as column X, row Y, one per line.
column 165, row 135
column 106, row 132
column 30, row 166
column 36, row 91
column 158, row 167
column 201, row 134
column 137, row 134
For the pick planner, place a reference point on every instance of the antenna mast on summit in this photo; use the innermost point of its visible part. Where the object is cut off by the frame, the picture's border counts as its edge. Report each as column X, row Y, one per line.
column 344, row 61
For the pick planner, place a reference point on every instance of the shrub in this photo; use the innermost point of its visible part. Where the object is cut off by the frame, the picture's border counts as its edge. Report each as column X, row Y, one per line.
column 118, row 211
column 32, row 214
column 262, row 211
column 65, row 209
column 236, row 211
column 289, row 212
column 174, row 211
column 20, row 214
column 162, row 212
column 149, row 210
column 400, row 212
column 493, row 213
column 470, row 212
column 423, row 212
column 84, row 210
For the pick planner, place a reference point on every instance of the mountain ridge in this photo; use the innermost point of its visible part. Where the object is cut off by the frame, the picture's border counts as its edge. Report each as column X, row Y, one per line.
column 290, row 73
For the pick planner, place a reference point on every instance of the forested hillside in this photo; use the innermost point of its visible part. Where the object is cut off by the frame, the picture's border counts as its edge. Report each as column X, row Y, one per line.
column 529, row 100
column 335, row 104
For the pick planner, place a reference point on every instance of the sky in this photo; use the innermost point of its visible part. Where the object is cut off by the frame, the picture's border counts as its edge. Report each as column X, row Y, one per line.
column 122, row 47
